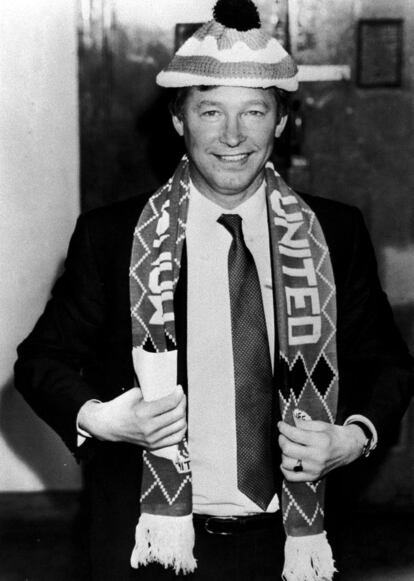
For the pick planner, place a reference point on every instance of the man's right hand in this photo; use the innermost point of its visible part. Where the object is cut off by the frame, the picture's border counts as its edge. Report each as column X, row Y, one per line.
column 129, row 418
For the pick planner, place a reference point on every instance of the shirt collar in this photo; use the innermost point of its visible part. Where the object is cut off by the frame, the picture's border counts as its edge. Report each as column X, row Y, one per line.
column 251, row 211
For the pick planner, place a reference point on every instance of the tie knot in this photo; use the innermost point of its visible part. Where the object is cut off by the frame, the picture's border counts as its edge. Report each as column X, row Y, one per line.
column 232, row 223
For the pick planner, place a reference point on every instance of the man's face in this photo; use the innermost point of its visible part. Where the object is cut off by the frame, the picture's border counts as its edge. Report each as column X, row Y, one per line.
column 228, row 132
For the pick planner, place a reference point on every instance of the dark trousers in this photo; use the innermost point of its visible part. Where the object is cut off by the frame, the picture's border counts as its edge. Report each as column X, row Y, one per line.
column 248, row 555
column 111, row 518
column 112, row 481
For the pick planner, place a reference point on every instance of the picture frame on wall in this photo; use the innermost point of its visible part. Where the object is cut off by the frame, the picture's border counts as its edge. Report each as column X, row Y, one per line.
column 379, row 68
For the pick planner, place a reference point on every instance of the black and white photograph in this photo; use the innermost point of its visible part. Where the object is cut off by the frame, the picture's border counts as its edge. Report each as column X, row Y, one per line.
column 207, row 296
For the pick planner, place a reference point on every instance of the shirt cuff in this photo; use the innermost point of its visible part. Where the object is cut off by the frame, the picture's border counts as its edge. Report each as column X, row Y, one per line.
column 83, row 434
column 360, row 419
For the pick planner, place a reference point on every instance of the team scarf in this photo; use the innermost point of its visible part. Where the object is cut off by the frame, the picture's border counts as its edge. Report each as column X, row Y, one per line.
column 306, row 374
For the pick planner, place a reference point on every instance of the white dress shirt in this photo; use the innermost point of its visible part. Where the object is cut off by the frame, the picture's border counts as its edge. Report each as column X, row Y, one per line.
column 211, row 390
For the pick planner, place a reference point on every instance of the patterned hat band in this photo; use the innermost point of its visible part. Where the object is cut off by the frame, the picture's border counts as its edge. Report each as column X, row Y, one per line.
column 195, row 71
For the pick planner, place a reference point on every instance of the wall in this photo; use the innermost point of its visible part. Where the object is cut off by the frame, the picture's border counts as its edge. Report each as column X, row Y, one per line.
column 360, row 142
column 39, row 202
column 359, row 145
column 387, row 139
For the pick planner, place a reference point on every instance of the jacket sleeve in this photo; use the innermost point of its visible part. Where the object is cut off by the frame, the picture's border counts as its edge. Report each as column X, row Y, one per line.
column 374, row 363
column 51, row 361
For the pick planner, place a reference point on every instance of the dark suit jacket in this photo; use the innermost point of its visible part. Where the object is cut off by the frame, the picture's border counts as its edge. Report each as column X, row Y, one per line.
column 81, row 349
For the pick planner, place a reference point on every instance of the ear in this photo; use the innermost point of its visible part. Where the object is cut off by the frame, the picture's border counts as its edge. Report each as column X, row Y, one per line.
column 280, row 126
column 178, row 125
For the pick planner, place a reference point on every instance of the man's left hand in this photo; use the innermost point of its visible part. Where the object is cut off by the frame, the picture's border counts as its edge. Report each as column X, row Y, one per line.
column 320, row 446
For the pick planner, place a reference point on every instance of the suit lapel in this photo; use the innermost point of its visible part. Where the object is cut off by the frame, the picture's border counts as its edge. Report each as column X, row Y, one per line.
column 180, row 311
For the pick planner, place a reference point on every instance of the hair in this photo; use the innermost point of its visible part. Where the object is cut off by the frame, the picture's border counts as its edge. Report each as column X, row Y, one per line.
column 179, row 96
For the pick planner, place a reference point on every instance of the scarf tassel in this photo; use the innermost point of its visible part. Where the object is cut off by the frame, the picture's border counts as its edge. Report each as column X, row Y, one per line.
column 168, row 540
column 308, row 558
column 155, row 263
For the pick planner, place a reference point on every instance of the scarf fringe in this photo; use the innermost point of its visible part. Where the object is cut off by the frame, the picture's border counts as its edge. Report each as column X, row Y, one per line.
column 308, row 558
column 168, row 540
column 305, row 341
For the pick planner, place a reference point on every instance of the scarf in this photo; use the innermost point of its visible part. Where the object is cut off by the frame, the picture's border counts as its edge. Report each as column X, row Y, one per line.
column 306, row 373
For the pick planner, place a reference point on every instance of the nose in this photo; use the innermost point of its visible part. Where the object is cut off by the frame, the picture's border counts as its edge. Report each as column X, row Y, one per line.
column 232, row 132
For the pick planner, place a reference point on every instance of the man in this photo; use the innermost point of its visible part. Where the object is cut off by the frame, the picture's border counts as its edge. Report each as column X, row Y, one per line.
column 253, row 322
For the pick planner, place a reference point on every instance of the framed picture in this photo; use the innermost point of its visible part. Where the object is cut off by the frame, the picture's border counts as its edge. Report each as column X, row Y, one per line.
column 379, row 52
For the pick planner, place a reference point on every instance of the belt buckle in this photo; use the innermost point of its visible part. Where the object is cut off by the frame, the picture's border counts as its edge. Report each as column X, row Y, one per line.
column 223, row 533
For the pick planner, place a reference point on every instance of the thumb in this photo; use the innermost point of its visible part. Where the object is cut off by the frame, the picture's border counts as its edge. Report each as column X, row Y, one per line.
column 311, row 425
column 131, row 395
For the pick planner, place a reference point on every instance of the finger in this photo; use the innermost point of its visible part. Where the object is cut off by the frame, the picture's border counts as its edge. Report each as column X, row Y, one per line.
column 290, row 464
column 177, row 427
column 133, row 395
column 292, row 449
column 167, row 403
column 312, row 425
column 169, row 441
column 172, row 415
column 166, row 421
column 291, row 476
column 295, row 434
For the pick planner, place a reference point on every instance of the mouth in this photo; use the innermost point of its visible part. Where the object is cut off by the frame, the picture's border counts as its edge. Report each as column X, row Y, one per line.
column 233, row 158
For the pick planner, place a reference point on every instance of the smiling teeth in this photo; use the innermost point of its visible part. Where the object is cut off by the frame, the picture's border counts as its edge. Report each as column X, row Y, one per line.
column 234, row 157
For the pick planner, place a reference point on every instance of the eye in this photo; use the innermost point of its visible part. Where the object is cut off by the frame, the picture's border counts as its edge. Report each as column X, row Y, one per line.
column 211, row 113
column 255, row 113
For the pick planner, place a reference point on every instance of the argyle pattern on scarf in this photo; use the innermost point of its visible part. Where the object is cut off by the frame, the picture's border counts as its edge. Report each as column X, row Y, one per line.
column 306, row 374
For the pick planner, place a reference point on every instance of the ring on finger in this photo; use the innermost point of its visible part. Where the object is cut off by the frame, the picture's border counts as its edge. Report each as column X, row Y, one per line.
column 298, row 467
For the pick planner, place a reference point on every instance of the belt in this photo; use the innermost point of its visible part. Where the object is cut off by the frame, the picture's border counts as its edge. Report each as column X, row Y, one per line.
column 233, row 525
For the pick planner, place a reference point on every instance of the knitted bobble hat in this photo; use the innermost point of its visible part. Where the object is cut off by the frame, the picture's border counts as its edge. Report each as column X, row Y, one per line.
column 232, row 49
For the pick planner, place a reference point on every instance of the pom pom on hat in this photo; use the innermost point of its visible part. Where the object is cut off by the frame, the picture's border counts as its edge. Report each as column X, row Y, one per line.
column 239, row 14
column 231, row 50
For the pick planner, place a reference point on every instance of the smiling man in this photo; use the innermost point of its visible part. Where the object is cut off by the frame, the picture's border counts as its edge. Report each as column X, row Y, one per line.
column 213, row 351
column 229, row 134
